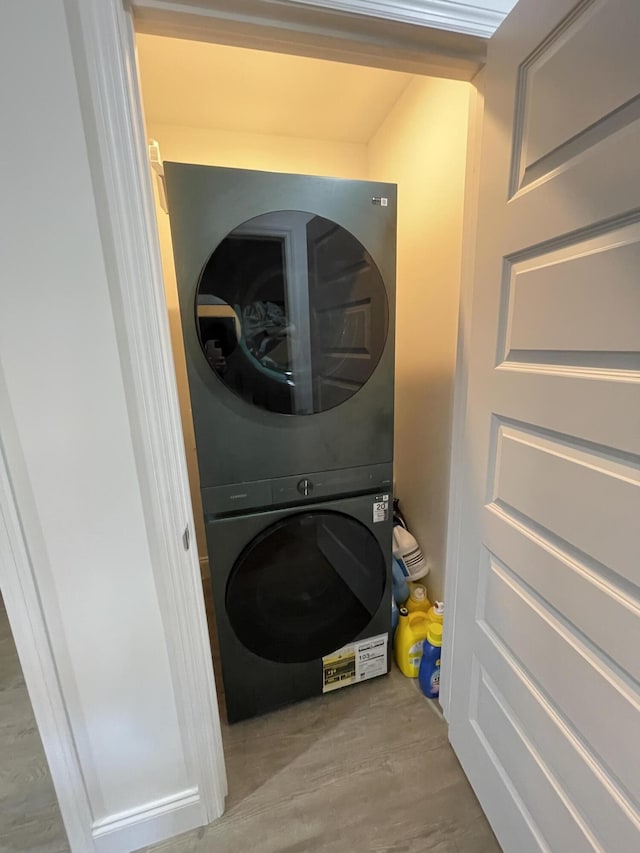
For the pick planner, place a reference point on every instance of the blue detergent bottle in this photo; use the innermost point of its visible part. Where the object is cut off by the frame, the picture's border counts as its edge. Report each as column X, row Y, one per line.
column 429, row 672
column 399, row 582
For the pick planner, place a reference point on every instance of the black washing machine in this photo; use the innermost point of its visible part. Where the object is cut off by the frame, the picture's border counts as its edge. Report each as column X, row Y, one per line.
column 303, row 599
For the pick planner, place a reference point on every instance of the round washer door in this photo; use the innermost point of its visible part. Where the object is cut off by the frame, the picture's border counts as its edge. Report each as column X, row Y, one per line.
column 306, row 586
column 292, row 313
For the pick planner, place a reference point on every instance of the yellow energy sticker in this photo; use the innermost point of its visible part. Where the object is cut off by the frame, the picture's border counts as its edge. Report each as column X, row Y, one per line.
column 338, row 669
column 355, row 662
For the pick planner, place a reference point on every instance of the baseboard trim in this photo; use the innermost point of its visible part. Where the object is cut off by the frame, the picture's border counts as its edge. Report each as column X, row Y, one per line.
column 155, row 821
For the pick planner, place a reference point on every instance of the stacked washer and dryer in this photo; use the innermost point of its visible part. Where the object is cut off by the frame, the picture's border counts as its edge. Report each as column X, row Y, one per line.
column 287, row 289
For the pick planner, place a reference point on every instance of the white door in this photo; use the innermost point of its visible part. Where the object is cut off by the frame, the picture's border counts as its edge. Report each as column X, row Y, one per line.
column 545, row 640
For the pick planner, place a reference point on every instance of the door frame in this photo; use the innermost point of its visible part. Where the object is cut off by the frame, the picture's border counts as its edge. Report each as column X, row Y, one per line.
column 102, row 43
column 104, row 57
column 459, row 419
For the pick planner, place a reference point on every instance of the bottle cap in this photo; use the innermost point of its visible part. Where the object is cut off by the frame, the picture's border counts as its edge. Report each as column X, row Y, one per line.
column 438, row 608
column 419, row 593
column 434, row 634
column 403, row 611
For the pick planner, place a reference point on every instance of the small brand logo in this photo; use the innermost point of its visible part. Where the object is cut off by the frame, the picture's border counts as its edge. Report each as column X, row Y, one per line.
column 380, row 201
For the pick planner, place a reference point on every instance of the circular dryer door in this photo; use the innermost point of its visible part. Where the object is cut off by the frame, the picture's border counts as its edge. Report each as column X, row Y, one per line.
column 292, row 313
column 306, row 586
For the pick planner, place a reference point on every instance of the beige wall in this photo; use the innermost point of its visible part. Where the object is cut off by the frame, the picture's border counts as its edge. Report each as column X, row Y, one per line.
column 421, row 146
column 243, row 151
column 265, row 151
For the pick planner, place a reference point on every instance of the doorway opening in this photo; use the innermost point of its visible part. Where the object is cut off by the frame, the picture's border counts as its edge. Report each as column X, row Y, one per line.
column 217, row 105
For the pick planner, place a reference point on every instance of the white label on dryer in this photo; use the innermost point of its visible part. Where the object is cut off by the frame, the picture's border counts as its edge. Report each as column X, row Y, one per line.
column 380, row 508
column 355, row 662
column 371, row 657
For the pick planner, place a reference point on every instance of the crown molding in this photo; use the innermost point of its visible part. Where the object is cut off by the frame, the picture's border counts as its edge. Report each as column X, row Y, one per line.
column 449, row 15
column 312, row 29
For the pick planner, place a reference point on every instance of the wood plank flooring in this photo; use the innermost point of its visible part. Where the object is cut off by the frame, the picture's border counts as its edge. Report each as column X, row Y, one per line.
column 367, row 768
column 29, row 815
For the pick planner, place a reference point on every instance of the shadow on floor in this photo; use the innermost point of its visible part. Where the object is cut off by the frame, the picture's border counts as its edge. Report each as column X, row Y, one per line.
column 368, row 768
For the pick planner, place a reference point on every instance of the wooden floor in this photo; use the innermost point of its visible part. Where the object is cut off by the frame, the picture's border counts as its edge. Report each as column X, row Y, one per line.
column 367, row 768
column 29, row 815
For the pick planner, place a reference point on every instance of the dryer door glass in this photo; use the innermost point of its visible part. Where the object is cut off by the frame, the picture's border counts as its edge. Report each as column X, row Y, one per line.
column 292, row 313
column 306, row 586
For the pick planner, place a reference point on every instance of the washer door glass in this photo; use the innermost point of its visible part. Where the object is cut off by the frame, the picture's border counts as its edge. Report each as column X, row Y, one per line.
column 306, row 586
column 292, row 313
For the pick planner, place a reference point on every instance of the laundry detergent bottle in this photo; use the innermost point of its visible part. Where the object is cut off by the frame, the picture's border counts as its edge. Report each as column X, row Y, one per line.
column 399, row 582
column 410, row 636
column 429, row 673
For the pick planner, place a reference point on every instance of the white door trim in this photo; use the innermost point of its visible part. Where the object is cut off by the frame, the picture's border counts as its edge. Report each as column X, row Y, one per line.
column 103, row 50
column 456, row 476
column 314, row 30
column 31, row 636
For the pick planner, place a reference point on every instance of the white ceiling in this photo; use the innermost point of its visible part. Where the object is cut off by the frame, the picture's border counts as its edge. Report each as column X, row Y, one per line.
column 198, row 84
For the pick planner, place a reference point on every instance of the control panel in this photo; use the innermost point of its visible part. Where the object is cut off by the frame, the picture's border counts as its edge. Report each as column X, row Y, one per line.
column 300, row 489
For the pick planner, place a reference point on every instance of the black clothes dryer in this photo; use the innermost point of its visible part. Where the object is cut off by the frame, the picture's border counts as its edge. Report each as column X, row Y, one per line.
column 287, row 298
column 303, row 600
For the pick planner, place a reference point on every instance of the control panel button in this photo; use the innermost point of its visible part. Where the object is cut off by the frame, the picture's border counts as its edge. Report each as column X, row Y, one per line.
column 305, row 487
